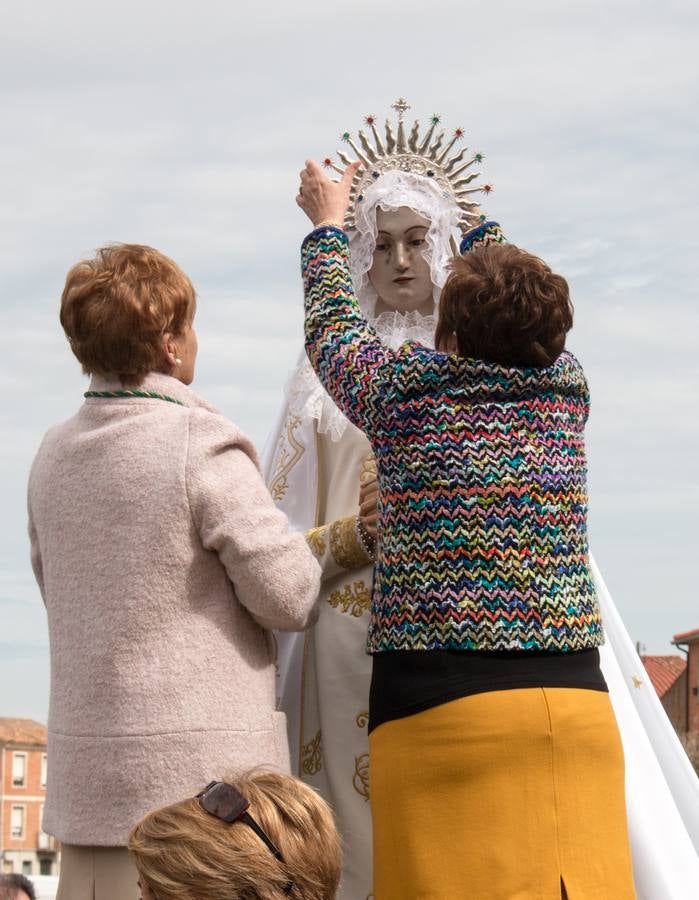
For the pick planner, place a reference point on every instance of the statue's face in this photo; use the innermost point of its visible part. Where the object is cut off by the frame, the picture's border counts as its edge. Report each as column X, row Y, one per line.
column 400, row 274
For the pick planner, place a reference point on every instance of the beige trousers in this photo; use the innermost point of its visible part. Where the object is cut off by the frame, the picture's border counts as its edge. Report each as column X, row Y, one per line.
column 97, row 873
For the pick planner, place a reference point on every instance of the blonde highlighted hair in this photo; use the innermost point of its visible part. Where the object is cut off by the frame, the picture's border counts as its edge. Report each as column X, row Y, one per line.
column 184, row 853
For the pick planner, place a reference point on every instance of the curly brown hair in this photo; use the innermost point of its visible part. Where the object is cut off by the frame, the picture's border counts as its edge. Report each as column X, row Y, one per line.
column 116, row 307
column 505, row 306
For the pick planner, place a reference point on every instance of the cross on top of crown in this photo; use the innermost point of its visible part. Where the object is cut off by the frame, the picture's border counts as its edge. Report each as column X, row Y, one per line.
column 401, row 106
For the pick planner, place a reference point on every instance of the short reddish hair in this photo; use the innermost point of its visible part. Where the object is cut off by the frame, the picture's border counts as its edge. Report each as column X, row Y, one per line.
column 505, row 306
column 116, row 307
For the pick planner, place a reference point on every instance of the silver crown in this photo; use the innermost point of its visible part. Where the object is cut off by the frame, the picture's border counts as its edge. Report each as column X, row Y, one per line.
column 426, row 155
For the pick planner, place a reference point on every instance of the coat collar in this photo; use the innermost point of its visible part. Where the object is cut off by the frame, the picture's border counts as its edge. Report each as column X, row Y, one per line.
column 160, row 384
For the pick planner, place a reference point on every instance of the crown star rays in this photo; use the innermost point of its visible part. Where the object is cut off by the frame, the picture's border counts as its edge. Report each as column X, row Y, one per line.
column 432, row 154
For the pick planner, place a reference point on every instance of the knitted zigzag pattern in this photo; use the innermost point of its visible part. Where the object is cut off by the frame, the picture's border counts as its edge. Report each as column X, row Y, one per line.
column 482, row 478
column 482, row 235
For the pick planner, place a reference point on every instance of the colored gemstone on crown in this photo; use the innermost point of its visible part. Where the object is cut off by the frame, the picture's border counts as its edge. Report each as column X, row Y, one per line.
column 327, row 162
column 459, row 133
column 487, row 188
column 435, row 119
column 478, row 157
column 370, row 120
column 346, row 136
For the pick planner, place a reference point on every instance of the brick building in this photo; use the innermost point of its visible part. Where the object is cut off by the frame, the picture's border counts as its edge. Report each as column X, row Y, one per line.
column 676, row 682
column 688, row 642
column 668, row 676
column 24, row 847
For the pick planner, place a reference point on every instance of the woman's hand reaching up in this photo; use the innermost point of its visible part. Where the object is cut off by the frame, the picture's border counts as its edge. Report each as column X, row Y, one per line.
column 323, row 200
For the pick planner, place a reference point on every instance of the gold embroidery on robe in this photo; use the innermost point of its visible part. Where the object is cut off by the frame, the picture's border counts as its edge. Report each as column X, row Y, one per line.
column 367, row 471
column 352, row 598
column 316, row 540
column 286, row 461
column 360, row 781
column 345, row 546
column 363, row 719
column 311, row 757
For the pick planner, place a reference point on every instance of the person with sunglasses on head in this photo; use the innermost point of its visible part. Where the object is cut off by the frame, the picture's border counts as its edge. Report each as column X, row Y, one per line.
column 263, row 836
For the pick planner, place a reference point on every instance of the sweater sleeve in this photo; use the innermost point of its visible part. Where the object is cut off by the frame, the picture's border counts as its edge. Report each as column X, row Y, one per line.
column 273, row 571
column 352, row 363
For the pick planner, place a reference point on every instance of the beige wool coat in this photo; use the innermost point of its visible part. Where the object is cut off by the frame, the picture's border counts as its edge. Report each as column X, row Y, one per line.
column 162, row 562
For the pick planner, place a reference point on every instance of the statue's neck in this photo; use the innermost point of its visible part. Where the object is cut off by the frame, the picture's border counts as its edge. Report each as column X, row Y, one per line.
column 426, row 309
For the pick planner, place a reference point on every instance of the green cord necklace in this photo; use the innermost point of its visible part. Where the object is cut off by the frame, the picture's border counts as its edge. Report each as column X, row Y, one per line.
column 150, row 395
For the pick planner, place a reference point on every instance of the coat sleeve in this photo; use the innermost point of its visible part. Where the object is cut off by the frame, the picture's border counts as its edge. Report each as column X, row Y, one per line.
column 35, row 555
column 274, row 573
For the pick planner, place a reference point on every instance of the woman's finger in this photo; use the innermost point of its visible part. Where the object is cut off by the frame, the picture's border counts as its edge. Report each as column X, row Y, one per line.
column 350, row 172
column 315, row 171
column 368, row 498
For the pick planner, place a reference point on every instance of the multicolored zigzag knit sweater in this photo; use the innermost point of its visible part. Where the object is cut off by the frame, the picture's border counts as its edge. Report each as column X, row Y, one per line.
column 482, row 481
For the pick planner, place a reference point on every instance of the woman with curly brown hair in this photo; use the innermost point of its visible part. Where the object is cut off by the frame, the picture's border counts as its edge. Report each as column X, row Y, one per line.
column 496, row 768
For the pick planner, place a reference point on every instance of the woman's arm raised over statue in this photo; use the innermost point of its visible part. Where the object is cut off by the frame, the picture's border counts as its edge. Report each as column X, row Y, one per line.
column 353, row 364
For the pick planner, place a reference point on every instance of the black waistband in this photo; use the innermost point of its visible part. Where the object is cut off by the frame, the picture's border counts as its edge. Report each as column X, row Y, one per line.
column 404, row 682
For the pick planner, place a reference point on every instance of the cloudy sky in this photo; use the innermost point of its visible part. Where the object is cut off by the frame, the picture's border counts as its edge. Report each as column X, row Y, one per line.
column 184, row 126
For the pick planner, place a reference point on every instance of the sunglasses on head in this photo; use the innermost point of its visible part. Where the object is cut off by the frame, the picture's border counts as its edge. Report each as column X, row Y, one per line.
column 227, row 804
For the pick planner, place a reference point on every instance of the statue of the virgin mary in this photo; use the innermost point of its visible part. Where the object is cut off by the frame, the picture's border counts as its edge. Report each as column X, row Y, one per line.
column 414, row 194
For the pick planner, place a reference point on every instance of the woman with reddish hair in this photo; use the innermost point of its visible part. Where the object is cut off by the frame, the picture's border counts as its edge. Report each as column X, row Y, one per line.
column 162, row 562
column 495, row 761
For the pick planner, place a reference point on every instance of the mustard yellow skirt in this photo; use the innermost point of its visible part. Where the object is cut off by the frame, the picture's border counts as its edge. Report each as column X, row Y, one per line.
column 509, row 795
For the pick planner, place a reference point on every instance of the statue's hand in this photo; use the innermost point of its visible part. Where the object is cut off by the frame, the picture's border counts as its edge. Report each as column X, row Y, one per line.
column 323, row 200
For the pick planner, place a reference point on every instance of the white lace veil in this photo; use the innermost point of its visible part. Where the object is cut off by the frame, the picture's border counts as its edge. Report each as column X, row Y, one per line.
column 306, row 396
column 390, row 192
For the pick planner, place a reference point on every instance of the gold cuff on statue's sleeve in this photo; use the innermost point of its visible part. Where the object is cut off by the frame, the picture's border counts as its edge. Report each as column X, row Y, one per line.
column 345, row 546
column 316, row 539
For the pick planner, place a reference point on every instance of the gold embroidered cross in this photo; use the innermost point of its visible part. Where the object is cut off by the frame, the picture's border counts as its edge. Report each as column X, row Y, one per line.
column 636, row 681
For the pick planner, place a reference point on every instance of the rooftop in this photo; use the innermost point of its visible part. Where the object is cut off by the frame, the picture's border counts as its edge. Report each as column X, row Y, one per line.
column 687, row 637
column 663, row 671
column 22, row 731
